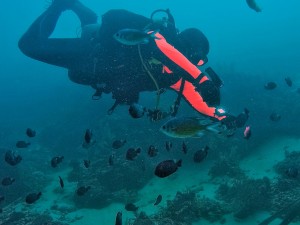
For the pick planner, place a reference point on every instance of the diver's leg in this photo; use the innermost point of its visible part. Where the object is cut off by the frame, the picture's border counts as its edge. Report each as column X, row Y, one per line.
column 43, row 26
column 85, row 15
column 36, row 43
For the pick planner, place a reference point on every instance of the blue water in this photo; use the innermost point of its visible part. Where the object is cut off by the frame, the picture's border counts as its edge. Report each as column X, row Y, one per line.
column 247, row 49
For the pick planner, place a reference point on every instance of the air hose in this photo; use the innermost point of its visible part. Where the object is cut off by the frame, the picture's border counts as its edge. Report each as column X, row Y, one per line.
column 151, row 76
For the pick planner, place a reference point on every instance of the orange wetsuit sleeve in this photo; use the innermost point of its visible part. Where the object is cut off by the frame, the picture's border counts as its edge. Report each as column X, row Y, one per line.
column 195, row 100
column 189, row 91
column 176, row 56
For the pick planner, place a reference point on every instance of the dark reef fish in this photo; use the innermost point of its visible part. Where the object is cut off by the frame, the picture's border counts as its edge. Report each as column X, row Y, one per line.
column 61, row 182
column 200, row 155
column 136, row 111
column 242, row 118
column 82, row 190
column 88, row 136
column 152, row 151
column 184, row 148
column 270, row 85
column 132, row 153
column 86, row 163
column 252, row 5
column 118, row 218
column 131, row 207
column 56, row 160
column 33, row 197
column 22, row 144
column 6, row 181
column 118, row 144
column 275, row 117
column 30, row 133
column 288, row 81
column 11, row 158
column 88, row 139
column 111, row 159
column 158, row 199
column 166, row 168
column 169, row 145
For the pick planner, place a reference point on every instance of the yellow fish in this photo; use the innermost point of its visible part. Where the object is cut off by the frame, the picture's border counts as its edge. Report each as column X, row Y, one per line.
column 189, row 127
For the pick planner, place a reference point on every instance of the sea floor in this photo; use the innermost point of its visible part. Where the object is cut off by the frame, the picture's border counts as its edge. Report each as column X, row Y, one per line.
column 256, row 165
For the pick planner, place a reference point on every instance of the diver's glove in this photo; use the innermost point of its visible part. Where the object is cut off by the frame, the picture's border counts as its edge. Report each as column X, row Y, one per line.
column 233, row 122
column 229, row 121
column 220, row 112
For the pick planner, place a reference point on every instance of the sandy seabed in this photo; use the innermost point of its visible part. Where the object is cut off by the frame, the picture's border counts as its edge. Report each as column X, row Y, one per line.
column 256, row 165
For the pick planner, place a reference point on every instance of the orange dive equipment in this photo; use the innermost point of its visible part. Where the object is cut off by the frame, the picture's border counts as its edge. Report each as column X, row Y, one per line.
column 186, row 88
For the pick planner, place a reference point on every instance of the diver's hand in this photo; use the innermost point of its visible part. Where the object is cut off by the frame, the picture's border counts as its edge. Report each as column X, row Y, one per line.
column 220, row 112
column 229, row 121
column 233, row 122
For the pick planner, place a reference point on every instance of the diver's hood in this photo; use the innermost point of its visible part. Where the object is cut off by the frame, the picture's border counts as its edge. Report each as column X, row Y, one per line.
column 193, row 44
column 90, row 31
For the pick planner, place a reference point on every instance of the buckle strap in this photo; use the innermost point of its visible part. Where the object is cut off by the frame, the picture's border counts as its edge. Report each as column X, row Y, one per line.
column 179, row 96
column 198, row 79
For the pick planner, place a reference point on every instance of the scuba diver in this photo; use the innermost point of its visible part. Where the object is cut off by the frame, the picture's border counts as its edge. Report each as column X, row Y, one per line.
column 169, row 60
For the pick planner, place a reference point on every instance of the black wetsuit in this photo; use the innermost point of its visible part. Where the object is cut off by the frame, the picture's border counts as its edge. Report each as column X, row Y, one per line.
column 99, row 61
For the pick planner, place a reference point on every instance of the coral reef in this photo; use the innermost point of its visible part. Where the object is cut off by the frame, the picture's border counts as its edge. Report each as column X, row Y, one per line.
column 291, row 161
column 185, row 209
column 212, row 210
column 247, row 196
column 26, row 178
column 226, row 167
column 289, row 213
column 27, row 218
column 285, row 195
column 285, row 190
column 143, row 219
column 18, row 213
column 117, row 183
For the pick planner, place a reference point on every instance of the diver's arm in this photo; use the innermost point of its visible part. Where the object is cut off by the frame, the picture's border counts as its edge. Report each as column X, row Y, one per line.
column 177, row 57
column 194, row 98
column 62, row 52
column 189, row 92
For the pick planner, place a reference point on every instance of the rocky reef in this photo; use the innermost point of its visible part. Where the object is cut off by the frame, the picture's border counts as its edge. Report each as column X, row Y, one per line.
column 185, row 209
column 290, row 166
column 226, row 167
column 286, row 189
column 117, row 183
column 25, row 217
column 246, row 196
